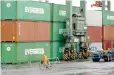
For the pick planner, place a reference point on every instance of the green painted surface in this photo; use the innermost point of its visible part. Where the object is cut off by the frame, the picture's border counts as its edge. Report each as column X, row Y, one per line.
column 8, row 9
column 59, row 12
column 77, row 47
column 108, row 18
column 31, row 10
column 57, row 30
column 56, row 49
column 45, row 46
column 0, row 51
column 26, row 10
column 8, row 53
column 24, row 52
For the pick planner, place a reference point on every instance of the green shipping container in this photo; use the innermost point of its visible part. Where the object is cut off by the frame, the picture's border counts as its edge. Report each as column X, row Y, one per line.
column 59, row 12
column 108, row 18
column 26, row 10
column 0, row 51
column 56, row 49
column 24, row 52
column 57, row 31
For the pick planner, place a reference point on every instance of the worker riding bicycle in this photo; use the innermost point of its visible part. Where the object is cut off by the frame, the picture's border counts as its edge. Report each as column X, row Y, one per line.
column 45, row 60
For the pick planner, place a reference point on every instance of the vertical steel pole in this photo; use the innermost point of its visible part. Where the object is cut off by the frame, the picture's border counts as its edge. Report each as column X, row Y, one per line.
column 69, row 16
column 109, row 4
column 83, row 8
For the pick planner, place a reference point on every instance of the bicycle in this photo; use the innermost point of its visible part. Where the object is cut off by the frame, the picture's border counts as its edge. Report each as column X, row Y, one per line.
column 43, row 66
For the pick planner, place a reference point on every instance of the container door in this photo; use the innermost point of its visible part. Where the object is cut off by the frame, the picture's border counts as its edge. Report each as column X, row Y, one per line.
column 8, row 52
column 8, row 9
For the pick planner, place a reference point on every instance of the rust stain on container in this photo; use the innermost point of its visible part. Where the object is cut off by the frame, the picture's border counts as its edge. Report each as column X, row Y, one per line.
column 108, row 32
column 42, row 31
column 95, row 33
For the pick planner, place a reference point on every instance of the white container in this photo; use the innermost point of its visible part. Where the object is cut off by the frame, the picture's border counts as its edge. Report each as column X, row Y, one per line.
column 94, row 18
column 96, row 46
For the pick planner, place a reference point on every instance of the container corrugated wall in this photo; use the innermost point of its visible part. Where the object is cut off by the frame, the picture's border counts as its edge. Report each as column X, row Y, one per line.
column 95, row 33
column 59, row 12
column 25, row 31
column 8, row 53
column 26, row 28
column 108, row 29
column 94, row 18
column 57, row 31
column 94, row 23
column 8, row 7
column 42, row 31
column 108, row 17
column 108, row 44
column 26, row 10
column 108, row 32
column 56, row 49
column 24, row 52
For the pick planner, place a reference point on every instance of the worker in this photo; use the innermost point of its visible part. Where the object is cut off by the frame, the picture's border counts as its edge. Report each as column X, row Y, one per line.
column 45, row 60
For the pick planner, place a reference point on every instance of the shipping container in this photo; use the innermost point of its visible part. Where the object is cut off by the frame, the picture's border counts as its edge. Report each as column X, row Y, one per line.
column 59, row 12
column 57, row 49
column 42, row 31
column 24, row 52
column 108, row 44
column 108, row 32
column 108, row 17
column 8, row 10
column 94, row 18
column 25, row 31
column 95, row 33
column 94, row 46
column 57, row 31
column 0, row 31
column 25, row 10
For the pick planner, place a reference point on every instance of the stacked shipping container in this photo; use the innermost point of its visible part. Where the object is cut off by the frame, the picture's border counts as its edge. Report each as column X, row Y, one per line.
column 25, row 30
column 108, row 29
column 58, row 24
column 94, row 22
column 30, row 29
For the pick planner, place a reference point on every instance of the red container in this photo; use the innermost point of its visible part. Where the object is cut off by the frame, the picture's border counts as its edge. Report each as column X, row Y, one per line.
column 42, row 31
column 108, row 44
column 95, row 33
column 108, row 32
column 25, row 31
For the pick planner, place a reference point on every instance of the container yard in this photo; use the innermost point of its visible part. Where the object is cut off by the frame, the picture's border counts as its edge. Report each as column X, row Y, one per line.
column 45, row 37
